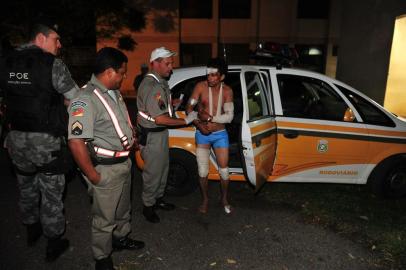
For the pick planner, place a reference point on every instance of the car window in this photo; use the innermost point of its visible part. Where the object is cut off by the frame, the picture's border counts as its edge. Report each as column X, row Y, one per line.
column 257, row 105
column 370, row 114
column 186, row 88
column 306, row 97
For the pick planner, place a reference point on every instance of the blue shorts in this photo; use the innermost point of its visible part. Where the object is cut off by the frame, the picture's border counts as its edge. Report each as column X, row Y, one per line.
column 218, row 139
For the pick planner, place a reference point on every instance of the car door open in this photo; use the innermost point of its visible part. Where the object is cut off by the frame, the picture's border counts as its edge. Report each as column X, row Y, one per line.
column 258, row 131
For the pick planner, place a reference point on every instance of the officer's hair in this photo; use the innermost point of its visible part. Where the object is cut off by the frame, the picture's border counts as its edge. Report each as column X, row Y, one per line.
column 109, row 57
column 40, row 28
column 218, row 63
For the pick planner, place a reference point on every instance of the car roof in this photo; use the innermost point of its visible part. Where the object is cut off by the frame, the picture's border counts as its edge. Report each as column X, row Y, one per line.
column 183, row 73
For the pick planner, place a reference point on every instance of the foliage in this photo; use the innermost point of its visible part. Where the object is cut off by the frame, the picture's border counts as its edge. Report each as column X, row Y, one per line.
column 126, row 43
column 78, row 19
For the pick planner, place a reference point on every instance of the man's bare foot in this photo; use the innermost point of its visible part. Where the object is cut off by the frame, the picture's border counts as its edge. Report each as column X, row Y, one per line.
column 203, row 208
column 228, row 209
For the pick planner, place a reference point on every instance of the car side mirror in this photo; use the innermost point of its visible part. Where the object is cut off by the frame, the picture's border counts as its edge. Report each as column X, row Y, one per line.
column 349, row 115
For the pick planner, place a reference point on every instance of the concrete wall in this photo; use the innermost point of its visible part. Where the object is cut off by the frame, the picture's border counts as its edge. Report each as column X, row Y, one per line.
column 365, row 42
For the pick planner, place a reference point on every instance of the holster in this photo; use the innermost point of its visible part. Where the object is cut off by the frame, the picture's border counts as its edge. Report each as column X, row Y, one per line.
column 63, row 163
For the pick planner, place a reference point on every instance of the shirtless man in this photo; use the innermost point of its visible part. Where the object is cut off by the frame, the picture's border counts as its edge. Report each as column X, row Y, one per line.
column 214, row 101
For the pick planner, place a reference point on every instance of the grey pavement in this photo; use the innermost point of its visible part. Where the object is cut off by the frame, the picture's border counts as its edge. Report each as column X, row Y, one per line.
column 258, row 235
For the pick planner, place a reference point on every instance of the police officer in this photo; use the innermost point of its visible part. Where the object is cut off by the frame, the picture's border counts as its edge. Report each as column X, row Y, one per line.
column 155, row 114
column 101, row 137
column 35, row 84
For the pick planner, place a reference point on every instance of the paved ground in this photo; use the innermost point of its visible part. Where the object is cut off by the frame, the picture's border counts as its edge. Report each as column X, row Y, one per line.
column 257, row 236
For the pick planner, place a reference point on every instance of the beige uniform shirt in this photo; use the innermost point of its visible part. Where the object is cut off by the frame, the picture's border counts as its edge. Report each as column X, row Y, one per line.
column 153, row 98
column 89, row 119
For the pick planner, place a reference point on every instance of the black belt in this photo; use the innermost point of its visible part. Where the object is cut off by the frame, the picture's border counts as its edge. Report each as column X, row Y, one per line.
column 108, row 161
column 143, row 133
column 157, row 129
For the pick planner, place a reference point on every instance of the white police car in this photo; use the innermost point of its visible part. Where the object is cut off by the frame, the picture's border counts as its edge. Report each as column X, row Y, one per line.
column 293, row 125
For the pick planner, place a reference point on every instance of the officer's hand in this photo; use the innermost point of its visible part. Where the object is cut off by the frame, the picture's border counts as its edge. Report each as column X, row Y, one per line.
column 95, row 179
column 190, row 117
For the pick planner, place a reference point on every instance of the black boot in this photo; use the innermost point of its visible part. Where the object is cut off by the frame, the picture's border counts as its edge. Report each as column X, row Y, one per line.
column 104, row 264
column 34, row 232
column 161, row 204
column 150, row 215
column 127, row 243
column 55, row 248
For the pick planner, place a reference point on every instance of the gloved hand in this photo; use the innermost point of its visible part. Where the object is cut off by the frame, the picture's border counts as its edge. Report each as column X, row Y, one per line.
column 190, row 117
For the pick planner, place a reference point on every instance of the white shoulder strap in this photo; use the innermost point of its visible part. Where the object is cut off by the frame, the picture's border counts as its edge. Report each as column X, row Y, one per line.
column 123, row 138
column 210, row 102
column 153, row 76
column 220, row 100
column 169, row 99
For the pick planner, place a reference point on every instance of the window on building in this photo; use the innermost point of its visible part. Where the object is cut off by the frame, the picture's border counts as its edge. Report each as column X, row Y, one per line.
column 235, row 9
column 305, row 97
column 195, row 54
column 313, row 9
column 196, row 9
column 235, row 53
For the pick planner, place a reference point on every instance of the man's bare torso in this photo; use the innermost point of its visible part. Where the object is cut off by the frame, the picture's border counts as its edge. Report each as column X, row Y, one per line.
column 204, row 104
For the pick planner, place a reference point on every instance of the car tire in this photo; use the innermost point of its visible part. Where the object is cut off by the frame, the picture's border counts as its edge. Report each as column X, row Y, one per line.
column 388, row 179
column 182, row 176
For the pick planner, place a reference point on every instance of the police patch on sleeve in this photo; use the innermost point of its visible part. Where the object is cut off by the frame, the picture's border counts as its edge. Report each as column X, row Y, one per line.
column 161, row 104
column 78, row 108
column 78, row 111
column 78, row 104
column 77, row 128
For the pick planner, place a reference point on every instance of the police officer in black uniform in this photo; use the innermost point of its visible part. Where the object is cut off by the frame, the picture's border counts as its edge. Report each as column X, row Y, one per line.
column 35, row 86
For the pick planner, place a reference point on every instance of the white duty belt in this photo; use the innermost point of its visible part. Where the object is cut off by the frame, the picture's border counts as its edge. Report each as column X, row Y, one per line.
column 110, row 153
column 123, row 138
column 148, row 117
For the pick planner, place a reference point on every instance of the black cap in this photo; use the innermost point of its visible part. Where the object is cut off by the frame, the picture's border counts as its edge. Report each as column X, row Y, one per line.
column 43, row 25
column 47, row 20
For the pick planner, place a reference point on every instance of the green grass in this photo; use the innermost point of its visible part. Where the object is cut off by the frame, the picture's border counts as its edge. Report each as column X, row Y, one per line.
column 352, row 211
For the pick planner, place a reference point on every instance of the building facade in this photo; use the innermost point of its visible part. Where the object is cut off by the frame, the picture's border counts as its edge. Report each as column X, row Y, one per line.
column 349, row 40
column 233, row 29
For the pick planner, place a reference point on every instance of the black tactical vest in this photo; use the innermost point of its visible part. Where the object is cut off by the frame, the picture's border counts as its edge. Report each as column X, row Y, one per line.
column 31, row 102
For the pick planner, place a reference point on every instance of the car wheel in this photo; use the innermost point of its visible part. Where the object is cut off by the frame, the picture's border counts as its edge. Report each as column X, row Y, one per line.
column 182, row 176
column 388, row 180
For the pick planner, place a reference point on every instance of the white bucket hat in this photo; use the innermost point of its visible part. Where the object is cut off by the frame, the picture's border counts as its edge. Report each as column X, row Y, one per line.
column 161, row 52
